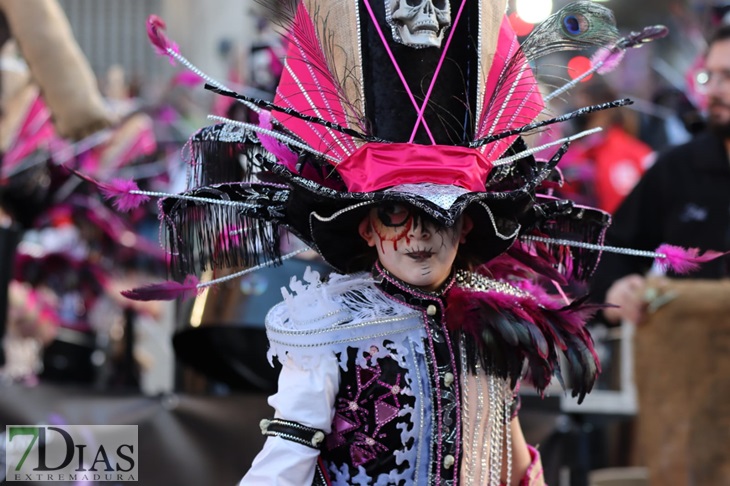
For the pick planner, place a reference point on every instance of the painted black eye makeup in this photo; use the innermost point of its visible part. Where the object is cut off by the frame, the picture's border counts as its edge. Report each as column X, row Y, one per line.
column 394, row 215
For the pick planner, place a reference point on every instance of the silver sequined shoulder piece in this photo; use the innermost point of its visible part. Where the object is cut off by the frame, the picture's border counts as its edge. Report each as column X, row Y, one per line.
column 481, row 283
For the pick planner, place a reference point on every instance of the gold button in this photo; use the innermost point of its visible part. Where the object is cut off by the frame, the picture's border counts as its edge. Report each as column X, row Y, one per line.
column 448, row 379
column 449, row 461
column 431, row 310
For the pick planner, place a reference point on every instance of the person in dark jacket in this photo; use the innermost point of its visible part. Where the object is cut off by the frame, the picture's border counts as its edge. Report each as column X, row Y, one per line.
column 683, row 199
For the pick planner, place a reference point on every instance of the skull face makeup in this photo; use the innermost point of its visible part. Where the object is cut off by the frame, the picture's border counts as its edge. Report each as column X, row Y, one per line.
column 419, row 23
column 410, row 246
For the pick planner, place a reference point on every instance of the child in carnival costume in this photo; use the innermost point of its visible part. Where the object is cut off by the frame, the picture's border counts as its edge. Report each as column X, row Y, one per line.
column 393, row 148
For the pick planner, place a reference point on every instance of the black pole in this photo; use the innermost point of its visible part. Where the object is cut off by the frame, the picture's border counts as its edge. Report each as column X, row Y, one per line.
column 9, row 238
column 128, row 370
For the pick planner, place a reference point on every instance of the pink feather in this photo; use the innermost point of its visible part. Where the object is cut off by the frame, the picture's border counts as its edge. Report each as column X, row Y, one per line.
column 610, row 57
column 309, row 86
column 119, row 189
column 683, row 260
column 511, row 97
column 169, row 290
column 285, row 156
column 187, row 78
column 156, row 34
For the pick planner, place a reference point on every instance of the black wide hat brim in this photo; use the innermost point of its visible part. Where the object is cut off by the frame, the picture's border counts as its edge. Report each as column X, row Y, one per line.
column 334, row 229
column 328, row 220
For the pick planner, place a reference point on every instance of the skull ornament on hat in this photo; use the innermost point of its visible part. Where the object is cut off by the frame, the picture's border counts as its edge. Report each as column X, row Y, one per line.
column 419, row 23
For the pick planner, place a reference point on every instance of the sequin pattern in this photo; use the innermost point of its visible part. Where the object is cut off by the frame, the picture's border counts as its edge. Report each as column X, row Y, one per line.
column 374, row 403
column 400, row 405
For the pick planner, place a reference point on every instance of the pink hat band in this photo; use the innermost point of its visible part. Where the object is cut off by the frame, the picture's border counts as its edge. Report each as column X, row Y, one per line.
column 376, row 166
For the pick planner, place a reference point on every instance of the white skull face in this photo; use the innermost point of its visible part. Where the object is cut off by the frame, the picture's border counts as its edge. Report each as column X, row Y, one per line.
column 419, row 23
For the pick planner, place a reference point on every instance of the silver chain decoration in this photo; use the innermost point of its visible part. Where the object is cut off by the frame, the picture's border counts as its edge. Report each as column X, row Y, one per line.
column 591, row 246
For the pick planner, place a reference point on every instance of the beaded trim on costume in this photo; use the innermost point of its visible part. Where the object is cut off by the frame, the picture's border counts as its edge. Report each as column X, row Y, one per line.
column 293, row 431
column 480, row 283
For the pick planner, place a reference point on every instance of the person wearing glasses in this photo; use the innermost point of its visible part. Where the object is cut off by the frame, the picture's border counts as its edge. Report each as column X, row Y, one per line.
column 683, row 199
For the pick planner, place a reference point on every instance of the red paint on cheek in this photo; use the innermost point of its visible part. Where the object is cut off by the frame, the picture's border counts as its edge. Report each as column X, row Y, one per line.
column 381, row 231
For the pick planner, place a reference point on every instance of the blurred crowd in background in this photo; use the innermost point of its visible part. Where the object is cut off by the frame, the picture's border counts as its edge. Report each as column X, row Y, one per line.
column 67, row 253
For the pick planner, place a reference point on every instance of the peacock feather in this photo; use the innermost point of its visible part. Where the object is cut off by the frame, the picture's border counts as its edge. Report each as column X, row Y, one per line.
column 577, row 26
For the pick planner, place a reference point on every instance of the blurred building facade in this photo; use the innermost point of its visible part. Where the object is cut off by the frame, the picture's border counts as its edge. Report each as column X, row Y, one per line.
column 112, row 32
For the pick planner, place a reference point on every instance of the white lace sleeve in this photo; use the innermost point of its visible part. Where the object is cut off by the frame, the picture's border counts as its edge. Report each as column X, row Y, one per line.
column 317, row 319
column 305, row 396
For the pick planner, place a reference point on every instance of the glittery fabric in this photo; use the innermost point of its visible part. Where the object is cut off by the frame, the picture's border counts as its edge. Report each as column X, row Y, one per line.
column 374, row 402
column 408, row 410
column 442, row 196
column 441, row 360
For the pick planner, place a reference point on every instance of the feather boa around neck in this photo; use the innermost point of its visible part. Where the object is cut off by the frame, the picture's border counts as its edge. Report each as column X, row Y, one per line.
column 509, row 328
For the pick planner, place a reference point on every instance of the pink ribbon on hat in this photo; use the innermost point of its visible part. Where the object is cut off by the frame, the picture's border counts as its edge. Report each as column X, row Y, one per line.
column 376, row 166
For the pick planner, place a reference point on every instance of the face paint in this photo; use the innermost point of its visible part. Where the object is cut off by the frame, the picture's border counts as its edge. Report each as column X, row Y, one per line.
column 422, row 252
column 394, row 221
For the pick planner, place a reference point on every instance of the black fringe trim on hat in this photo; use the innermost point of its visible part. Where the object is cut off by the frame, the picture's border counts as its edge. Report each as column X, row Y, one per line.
column 515, row 175
column 224, row 153
column 202, row 236
column 580, row 224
